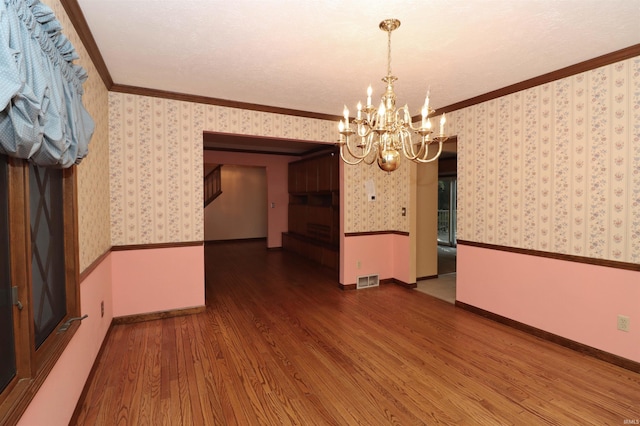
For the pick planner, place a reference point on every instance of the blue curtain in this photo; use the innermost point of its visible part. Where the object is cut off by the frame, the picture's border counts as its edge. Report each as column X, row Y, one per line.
column 42, row 118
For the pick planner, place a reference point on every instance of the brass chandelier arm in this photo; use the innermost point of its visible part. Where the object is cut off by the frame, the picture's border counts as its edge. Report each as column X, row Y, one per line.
column 410, row 153
column 368, row 145
column 358, row 158
column 364, row 125
column 423, row 158
column 351, row 163
column 373, row 160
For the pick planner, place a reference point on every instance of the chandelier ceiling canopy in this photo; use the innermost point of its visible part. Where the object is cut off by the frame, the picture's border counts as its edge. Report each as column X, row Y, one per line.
column 381, row 134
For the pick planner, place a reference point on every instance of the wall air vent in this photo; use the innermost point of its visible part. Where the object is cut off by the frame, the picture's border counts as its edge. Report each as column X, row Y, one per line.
column 368, row 281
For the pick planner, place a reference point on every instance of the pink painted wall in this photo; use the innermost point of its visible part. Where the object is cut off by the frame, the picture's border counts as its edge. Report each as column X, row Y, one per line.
column 577, row 301
column 57, row 398
column 153, row 280
column 402, row 259
column 386, row 255
column 277, row 186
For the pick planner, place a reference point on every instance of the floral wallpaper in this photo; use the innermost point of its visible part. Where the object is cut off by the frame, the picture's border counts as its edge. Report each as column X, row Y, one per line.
column 392, row 194
column 93, row 172
column 556, row 167
column 156, row 161
column 552, row 168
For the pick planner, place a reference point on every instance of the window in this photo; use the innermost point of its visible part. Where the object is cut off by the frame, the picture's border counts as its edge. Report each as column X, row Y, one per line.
column 38, row 277
column 7, row 349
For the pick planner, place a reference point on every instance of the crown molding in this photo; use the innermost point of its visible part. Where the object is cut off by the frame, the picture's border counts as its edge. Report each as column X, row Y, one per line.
column 155, row 93
column 82, row 28
column 591, row 64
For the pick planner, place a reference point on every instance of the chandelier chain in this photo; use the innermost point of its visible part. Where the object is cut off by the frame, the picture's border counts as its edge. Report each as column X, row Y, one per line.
column 389, row 53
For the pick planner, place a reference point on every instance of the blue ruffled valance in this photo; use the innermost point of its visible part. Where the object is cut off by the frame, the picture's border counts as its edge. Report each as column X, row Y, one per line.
column 42, row 118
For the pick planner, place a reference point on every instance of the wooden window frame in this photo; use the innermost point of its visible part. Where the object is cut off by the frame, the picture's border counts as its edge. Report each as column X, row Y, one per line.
column 33, row 366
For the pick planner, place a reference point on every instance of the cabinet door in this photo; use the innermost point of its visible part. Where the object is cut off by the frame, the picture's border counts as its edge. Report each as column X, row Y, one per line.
column 297, row 177
column 298, row 218
column 312, row 175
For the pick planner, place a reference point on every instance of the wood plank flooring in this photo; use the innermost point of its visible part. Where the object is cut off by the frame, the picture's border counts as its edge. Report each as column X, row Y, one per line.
column 281, row 344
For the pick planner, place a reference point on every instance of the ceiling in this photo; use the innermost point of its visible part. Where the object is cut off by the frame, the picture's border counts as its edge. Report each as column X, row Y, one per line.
column 317, row 56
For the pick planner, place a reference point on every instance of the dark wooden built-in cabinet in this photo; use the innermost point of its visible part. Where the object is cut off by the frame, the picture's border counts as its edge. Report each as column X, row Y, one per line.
column 314, row 209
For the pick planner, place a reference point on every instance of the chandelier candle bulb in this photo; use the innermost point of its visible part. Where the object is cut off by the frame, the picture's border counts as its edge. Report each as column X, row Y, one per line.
column 359, row 110
column 442, row 121
column 369, row 93
column 341, row 130
column 346, row 116
column 381, row 114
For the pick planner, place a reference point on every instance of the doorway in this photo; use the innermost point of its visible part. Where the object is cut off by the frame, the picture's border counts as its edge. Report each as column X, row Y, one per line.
column 443, row 284
column 447, row 212
column 240, row 213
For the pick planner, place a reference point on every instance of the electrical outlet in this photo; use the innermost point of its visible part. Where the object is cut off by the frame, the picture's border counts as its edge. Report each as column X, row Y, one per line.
column 102, row 309
column 623, row 323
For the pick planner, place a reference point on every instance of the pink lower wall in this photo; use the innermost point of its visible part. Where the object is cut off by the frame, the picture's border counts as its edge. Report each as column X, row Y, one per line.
column 277, row 186
column 57, row 398
column 387, row 255
column 129, row 282
column 574, row 300
column 402, row 259
column 158, row 279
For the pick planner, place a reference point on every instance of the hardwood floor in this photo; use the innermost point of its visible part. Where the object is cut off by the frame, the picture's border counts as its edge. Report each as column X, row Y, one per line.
column 280, row 344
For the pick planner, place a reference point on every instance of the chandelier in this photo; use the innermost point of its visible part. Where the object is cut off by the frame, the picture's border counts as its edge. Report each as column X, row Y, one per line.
column 381, row 134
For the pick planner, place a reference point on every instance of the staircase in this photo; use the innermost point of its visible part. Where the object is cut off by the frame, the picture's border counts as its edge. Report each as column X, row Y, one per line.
column 212, row 183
